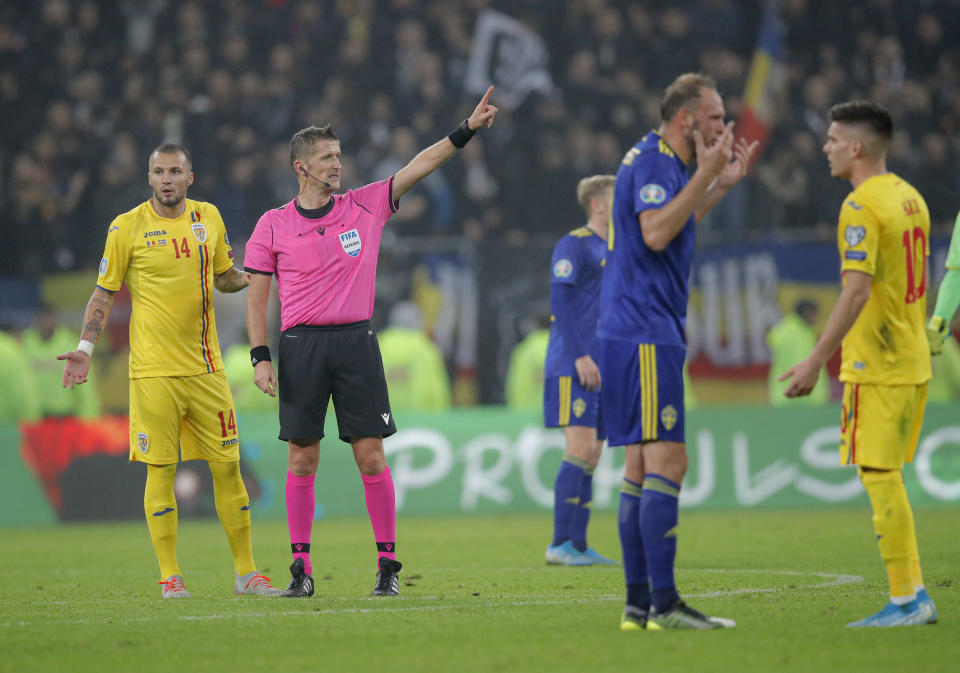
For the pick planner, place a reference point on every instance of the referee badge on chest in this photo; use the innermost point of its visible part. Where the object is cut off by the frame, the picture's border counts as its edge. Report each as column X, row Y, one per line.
column 350, row 242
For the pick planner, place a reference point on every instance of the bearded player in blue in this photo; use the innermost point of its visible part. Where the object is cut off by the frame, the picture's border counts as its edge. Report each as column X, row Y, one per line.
column 642, row 342
column 571, row 389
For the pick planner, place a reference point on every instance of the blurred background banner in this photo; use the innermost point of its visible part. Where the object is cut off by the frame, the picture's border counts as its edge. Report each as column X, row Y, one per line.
column 509, row 55
column 475, row 460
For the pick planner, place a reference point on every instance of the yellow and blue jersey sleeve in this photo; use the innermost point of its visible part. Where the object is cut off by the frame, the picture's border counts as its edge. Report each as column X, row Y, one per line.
column 116, row 254
column 858, row 237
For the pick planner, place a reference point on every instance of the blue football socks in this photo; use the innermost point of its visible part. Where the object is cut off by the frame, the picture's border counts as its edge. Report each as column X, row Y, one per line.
column 658, row 528
column 581, row 516
column 566, row 497
column 634, row 558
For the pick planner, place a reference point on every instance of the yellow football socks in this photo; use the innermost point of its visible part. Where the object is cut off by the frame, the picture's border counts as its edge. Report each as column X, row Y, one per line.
column 160, row 508
column 233, row 508
column 893, row 524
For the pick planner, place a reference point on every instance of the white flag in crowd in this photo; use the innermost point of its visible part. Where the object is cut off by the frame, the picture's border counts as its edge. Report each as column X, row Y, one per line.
column 510, row 56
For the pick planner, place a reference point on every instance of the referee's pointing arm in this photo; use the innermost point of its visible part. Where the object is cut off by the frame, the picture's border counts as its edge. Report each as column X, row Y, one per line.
column 440, row 152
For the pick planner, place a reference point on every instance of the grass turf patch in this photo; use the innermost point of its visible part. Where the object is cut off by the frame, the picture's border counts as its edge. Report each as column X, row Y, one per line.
column 476, row 595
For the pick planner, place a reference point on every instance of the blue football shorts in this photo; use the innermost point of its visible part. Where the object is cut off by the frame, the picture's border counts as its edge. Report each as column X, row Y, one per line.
column 642, row 392
column 566, row 402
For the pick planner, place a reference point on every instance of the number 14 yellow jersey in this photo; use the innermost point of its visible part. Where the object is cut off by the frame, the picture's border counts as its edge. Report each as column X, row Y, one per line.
column 884, row 232
column 168, row 266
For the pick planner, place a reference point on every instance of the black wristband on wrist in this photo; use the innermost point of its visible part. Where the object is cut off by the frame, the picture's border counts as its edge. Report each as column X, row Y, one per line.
column 259, row 354
column 461, row 135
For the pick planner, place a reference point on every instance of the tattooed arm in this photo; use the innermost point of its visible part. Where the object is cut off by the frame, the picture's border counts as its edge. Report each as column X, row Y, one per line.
column 94, row 320
column 231, row 280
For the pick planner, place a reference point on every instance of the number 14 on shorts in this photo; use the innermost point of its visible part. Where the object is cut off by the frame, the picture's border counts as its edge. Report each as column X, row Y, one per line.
column 228, row 423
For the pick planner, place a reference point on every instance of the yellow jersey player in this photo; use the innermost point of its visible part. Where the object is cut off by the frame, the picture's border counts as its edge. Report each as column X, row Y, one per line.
column 172, row 252
column 879, row 319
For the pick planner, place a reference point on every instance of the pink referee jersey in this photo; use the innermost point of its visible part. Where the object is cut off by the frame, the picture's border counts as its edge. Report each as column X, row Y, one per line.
column 326, row 267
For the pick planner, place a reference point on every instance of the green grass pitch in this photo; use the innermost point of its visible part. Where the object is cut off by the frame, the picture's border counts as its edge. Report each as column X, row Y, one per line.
column 475, row 596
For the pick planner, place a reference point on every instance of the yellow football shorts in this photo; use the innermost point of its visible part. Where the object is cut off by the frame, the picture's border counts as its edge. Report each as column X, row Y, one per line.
column 192, row 416
column 880, row 425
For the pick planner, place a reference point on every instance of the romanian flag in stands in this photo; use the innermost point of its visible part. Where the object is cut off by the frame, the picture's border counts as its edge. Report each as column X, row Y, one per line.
column 766, row 82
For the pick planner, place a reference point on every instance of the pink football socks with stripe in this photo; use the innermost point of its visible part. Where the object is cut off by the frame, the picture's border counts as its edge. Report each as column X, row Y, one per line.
column 301, row 503
column 381, row 506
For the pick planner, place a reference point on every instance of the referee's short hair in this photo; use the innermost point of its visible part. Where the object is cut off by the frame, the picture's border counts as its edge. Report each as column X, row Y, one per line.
column 304, row 139
column 592, row 187
column 684, row 92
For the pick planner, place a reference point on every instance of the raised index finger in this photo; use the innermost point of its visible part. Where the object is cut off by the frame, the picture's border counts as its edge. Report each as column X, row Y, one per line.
column 486, row 96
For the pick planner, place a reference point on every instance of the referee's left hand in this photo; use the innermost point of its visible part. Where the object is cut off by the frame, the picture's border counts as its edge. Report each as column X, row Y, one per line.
column 265, row 377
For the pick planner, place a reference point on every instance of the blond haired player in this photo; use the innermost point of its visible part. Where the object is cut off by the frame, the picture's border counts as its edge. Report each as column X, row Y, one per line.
column 879, row 319
column 172, row 252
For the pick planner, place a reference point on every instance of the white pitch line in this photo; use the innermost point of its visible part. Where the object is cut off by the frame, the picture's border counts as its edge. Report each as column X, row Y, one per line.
column 836, row 579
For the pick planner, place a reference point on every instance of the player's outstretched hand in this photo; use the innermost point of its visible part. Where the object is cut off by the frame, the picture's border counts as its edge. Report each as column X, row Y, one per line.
column 588, row 372
column 804, row 375
column 265, row 377
column 483, row 114
column 737, row 169
column 76, row 369
column 714, row 159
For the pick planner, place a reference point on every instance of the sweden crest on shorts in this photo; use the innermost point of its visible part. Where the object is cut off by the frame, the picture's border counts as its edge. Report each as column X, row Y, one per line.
column 668, row 416
column 143, row 441
column 350, row 242
column 579, row 407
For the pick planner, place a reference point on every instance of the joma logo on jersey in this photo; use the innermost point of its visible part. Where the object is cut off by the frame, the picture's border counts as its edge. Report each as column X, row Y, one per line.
column 151, row 234
column 350, row 242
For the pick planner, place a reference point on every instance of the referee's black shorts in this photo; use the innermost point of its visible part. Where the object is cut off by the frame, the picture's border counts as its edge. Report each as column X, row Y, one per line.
column 317, row 361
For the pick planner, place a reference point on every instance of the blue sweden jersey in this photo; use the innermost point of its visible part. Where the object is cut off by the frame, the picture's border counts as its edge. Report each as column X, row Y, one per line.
column 578, row 262
column 645, row 293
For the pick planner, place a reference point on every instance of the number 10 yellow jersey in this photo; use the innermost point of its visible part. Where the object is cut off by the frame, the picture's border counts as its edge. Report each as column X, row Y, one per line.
column 884, row 232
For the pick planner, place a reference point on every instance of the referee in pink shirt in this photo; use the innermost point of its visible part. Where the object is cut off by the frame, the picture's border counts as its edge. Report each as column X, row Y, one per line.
column 323, row 248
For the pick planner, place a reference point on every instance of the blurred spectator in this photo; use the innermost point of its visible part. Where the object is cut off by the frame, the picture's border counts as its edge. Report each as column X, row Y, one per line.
column 20, row 401
column 524, row 391
column 790, row 341
column 232, row 79
column 42, row 343
column 413, row 365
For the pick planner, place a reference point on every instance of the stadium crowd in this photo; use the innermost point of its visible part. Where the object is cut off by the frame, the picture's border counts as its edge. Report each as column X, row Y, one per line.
column 88, row 88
